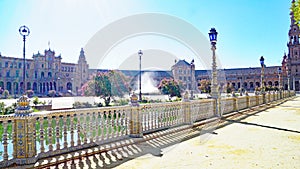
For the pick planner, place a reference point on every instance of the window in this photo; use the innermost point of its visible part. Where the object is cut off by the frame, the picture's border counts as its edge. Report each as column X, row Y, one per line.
column 49, row 74
column 0, row 64
column 20, row 65
column 6, row 64
column 11, row 65
column 8, row 73
column 17, row 73
column 35, row 74
column 28, row 65
column 42, row 75
column 42, row 65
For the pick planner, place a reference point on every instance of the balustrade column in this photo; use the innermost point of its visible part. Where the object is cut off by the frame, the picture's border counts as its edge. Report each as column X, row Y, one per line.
column 91, row 127
column 50, row 133
column 42, row 134
column 187, row 108
column 78, row 129
column 5, row 153
column 248, row 101
column 97, row 125
column 72, row 129
column 65, row 131
column 257, row 100
column 135, row 123
column 57, row 132
column 117, row 124
column 235, row 104
column 13, row 133
column 85, row 130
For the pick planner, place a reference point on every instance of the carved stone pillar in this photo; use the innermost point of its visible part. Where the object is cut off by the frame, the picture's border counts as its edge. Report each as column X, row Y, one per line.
column 24, row 127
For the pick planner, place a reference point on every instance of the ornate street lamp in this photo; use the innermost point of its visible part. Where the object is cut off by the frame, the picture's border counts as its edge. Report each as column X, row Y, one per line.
column 214, row 89
column 262, row 64
column 140, row 53
column 24, row 31
column 279, row 83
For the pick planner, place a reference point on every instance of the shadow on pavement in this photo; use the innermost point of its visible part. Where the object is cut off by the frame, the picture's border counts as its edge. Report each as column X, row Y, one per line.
column 260, row 125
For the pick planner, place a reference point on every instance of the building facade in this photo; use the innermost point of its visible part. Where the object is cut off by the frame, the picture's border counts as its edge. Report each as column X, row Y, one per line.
column 184, row 72
column 44, row 72
column 291, row 62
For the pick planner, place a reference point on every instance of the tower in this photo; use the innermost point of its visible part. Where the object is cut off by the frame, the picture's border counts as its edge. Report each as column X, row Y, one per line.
column 82, row 70
column 293, row 57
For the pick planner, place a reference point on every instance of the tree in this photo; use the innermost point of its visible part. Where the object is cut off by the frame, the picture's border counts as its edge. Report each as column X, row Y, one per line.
column 106, row 85
column 295, row 8
column 205, row 86
column 170, row 87
column 230, row 88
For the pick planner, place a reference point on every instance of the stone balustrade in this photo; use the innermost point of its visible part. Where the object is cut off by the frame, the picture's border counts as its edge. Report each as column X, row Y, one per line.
column 26, row 136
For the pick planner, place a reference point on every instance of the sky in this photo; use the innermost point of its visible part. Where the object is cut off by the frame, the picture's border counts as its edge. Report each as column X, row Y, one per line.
column 247, row 29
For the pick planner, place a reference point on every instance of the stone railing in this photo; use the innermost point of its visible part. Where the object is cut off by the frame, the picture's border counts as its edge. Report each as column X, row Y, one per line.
column 26, row 136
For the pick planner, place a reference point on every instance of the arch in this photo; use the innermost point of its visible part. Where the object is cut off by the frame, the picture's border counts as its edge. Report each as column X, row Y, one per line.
column 54, row 86
column 245, row 85
column 239, row 85
column 44, row 87
column 34, row 87
column 233, row 84
column 1, row 84
column 16, row 87
column 21, row 87
column 276, row 83
column 42, row 74
column 47, row 86
column 51, row 87
column 251, row 85
column 69, row 86
column 270, row 83
column 257, row 84
column 8, row 87
column 41, row 88
column 28, row 86
column 49, row 74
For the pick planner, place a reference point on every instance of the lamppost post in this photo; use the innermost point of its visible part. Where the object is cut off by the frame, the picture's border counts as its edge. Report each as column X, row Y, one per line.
column 140, row 53
column 58, row 79
column 279, row 83
column 24, row 31
column 214, row 89
column 262, row 63
column 192, row 79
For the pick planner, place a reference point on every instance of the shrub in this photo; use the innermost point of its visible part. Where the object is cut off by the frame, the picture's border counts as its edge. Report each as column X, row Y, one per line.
column 79, row 105
column 36, row 101
column 29, row 93
column 6, row 93
column 51, row 93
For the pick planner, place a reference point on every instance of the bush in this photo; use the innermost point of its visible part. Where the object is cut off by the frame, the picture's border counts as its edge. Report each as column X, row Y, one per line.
column 80, row 105
column 29, row 93
column 122, row 102
column 5, row 93
column 51, row 93
column 36, row 101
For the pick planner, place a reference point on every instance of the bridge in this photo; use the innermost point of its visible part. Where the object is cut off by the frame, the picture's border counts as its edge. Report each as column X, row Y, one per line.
column 38, row 140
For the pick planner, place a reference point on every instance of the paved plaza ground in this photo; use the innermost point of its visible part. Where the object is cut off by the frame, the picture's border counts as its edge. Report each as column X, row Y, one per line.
column 268, row 139
column 264, row 137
